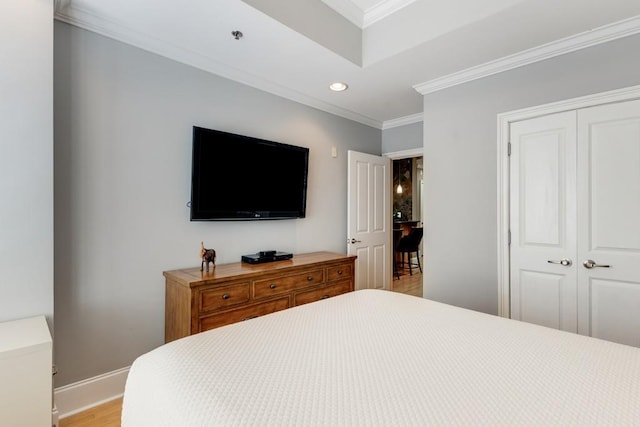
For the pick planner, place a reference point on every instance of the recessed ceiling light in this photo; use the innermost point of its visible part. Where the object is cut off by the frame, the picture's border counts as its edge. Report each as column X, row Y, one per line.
column 338, row 86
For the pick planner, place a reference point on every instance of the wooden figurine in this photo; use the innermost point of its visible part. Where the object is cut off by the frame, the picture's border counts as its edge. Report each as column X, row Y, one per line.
column 207, row 255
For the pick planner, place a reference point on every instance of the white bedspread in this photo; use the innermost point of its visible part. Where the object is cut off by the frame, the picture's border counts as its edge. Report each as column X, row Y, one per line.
column 378, row 358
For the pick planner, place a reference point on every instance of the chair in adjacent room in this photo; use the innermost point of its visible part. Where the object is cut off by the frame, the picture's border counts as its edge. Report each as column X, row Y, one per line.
column 408, row 245
column 397, row 235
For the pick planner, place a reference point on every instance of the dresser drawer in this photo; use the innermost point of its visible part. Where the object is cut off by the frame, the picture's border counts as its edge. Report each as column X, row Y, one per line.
column 244, row 313
column 221, row 297
column 325, row 292
column 280, row 285
column 339, row 272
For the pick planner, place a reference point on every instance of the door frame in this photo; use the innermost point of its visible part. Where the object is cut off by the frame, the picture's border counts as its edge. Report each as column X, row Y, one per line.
column 397, row 155
column 503, row 217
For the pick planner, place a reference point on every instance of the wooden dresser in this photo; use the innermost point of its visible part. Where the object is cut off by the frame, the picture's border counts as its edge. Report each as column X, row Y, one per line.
column 198, row 300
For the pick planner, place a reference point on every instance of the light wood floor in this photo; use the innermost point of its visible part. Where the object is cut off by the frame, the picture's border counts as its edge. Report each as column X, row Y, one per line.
column 108, row 414
column 408, row 284
column 105, row 415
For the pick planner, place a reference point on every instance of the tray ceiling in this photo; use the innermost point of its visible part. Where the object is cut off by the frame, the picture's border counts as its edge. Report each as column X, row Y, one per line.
column 381, row 48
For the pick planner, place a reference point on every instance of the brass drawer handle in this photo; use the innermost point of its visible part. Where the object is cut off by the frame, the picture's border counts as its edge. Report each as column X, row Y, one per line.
column 273, row 286
column 309, row 278
column 226, row 296
column 339, row 272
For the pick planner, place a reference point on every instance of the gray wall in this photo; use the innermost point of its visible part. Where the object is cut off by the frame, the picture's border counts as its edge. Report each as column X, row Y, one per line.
column 26, row 159
column 460, row 143
column 123, row 122
column 400, row 138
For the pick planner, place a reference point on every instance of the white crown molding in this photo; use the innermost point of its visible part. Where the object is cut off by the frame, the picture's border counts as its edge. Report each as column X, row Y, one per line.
column 364, row 18
column 85, row 394
column 382, row 10
column 403, row 121
column 404, row 154
column 570, row 44
column 83, row 19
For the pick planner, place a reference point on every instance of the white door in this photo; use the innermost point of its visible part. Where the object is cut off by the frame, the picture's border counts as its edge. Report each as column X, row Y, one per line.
column 543, row 226
column 575, row 221
column 368, row 220
column 609, row 222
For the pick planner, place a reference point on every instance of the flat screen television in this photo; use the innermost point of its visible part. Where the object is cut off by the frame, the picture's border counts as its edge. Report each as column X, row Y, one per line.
column 236, row 177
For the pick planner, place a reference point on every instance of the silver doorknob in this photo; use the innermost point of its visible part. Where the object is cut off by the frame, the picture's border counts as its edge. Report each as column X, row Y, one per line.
column 564, row 261
column 592, row 264
column 353, row 241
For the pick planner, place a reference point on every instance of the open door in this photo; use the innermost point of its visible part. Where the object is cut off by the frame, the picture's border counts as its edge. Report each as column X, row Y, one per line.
column 368, row 219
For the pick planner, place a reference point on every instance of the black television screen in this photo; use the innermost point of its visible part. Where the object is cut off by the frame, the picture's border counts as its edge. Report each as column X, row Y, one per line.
column 236, row 177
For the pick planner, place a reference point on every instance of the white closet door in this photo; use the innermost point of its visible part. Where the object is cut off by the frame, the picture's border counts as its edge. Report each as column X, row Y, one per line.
column 543, row 227
column 609, row 222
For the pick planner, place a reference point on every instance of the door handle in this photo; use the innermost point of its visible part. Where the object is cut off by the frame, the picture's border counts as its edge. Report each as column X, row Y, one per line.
column 564, row 261
column 353, row 241
column 592, row 264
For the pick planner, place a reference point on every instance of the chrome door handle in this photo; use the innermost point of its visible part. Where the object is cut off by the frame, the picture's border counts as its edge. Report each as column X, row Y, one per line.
column 564, row 261
column 592, row 264
column 353, row 241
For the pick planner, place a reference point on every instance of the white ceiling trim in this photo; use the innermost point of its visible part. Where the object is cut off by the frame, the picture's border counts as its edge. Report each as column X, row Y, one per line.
column 403, row 121
column 364, row 18
column 382, row 10
column 88, row 21
column 405, row 154
column 570, row 44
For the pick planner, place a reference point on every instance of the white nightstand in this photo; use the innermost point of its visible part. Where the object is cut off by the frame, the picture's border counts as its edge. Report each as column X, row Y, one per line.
column 26, row 358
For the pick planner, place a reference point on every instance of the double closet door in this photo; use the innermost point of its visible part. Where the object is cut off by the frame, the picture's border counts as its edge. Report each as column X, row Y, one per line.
column 575, row 221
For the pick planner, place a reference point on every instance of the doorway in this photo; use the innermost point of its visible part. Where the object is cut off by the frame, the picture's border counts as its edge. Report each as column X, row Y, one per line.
column 407, row 213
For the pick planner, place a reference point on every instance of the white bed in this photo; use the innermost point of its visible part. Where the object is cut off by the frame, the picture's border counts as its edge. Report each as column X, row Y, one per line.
column 378, row 358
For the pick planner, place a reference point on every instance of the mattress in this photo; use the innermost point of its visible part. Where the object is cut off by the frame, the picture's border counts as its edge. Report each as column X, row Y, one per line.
column 379, row 358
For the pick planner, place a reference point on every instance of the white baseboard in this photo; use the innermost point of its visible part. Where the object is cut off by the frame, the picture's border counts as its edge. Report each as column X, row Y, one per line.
column 77, row 397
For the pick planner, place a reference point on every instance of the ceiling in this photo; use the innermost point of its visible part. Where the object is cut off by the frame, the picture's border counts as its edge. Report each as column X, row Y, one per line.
column 389, row 52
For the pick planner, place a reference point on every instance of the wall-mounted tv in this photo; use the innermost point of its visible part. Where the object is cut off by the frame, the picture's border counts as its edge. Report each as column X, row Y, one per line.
column 236, row 177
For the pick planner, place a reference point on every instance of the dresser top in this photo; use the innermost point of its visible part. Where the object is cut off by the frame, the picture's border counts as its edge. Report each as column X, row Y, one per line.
column 194, row 277
column 23, row 335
